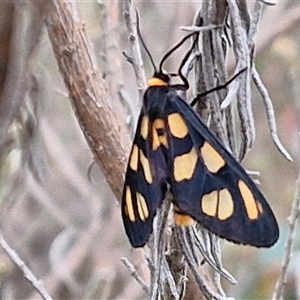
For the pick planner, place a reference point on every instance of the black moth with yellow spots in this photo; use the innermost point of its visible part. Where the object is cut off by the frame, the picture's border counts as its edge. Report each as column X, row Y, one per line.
column 174, row 149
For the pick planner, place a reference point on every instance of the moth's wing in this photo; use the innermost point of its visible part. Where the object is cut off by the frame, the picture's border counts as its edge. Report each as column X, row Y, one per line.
column 145, row 183
column 209, row 185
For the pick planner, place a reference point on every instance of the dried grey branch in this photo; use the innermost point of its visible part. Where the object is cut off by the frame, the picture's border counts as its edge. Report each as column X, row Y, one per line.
column 209, row 72
column 157, row 248
column 216, row 253
column 206, row 253
column 255, row 18
column 243, row 57
column 171, row 288
column 134, row 274
column 177, row 265
column 208, row 250
column 36, row 283
column 186, row 247
column 269, row 2
column 194, row 28
column 292, row 222
column 270, row 112
column 135, row 51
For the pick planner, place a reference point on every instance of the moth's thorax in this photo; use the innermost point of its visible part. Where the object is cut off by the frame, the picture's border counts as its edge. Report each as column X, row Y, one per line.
column 159, row 79
column 155, row 99
column 154, row 81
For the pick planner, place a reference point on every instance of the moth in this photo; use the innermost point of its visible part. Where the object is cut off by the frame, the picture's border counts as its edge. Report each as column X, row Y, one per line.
column 173, row 149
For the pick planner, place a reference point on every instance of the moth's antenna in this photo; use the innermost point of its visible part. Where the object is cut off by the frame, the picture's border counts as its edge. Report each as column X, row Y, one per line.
column 217, row 88
column 185, row 59
column 173, row 49
column 142, row 41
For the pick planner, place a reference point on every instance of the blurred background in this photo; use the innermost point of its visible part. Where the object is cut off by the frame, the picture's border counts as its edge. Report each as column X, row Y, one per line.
column 57, row 211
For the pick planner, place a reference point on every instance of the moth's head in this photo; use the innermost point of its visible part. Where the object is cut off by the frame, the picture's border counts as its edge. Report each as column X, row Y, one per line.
column 159, row 79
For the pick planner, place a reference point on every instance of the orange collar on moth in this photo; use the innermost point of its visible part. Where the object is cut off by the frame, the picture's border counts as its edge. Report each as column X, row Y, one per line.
column 154, row 81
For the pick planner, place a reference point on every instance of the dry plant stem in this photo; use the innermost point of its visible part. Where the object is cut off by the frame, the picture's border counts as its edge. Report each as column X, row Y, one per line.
column 135, row 57
column 170, row 288
column 177, row 265
column 190, row 258
column 216, row 265
column 209, row 12
column 256, row 15
column 242, row 54
column 37, row 284
column 194, row 28
column 87, row 91
column 157, row 249
column 270, row 112
column 216, row 253
column 257, row 12
column 213, row 55
column 134, row 274
column 292, row 220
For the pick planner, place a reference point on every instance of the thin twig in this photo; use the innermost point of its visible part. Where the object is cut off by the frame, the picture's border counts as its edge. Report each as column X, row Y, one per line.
column 134, row 274
column 216, row 265
column 256, row 15
column 36, row 283
column 202, row 284
column 292, row 220
column 135, row 57
column 270, row 112
column 194, row 28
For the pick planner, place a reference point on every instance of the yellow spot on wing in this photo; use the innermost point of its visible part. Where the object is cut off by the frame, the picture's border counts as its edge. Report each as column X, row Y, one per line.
column 156, row 82
column 158, row 124
column 144, row 127
column 212, row 159
column 249, row 201
column 226, row 205
column 133, row 162
column 142, row 207
column 184, row 165
column 146, row 167
column 177, row 125
column 183, row 220
column 157, row 140
column 209, row 203
column 129, row 206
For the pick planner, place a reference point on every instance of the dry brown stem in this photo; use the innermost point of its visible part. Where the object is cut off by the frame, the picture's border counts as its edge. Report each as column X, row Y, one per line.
column 88, row 92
